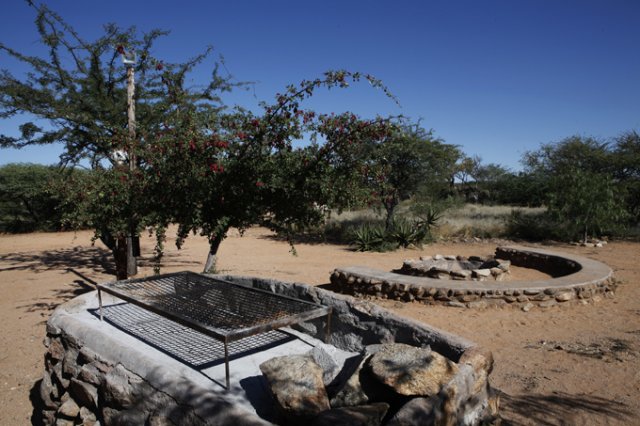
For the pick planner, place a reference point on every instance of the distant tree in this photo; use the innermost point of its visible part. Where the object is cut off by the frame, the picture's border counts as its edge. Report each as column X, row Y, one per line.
column 27, row 202
column 400, row 166
column 583, row 191
column 587, row 203
column 626, row 163
column 575, row 152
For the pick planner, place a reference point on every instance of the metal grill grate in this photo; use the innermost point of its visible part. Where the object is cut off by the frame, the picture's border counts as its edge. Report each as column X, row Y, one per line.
column 183, row 343
column 219, row 304
column 219, row 309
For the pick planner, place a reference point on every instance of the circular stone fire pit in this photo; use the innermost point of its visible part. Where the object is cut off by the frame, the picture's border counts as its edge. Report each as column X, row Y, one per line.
column 575, row 279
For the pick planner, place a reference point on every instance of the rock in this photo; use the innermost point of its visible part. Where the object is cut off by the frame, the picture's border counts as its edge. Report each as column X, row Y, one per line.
column 296, row 384
column 56, row 350
column 90, row 374
column 118, row 392
column 87, row 355
column 159, row 420
column 87, row 416
column 418, row 411
column 527, row 307
column 530, row 292
column 412, row 371
column 69, row 409
column 84, row 393
column 450, row 257
column 48, row 417
column 362, row 415
column 503, row 264
column 522, row 299
column 481, row 273
column 564, row 296
column 45, row 392
column 326, row 362
column 70, row 364
column 455, row 304
column 63, row 422
column 478, row 304
column 462, row 274
column 495, row 271
column 547, row 304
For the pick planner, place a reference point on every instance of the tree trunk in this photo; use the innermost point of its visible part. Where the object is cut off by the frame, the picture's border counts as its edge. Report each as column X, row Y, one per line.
column 212, row 257
column 390, row 206
column 120, row 255
column 132, row 263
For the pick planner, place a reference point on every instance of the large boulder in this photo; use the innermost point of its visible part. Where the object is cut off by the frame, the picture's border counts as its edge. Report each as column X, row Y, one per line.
column 410, row 370
column 297, row 386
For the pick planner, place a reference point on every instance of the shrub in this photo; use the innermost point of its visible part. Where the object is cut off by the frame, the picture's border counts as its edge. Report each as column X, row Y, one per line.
column 370, row 237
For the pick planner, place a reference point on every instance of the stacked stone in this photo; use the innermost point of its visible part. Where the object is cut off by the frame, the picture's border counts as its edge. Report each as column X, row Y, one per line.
column 81, row 388
column 369, row 285
column 392, row 384
column 461, row 268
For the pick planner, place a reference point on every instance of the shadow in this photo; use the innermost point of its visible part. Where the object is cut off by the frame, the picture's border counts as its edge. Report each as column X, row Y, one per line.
column 60, row 296
column 96, row 259
column 330, row 286
column 558, row 408
column 36, row 403
column 258, row 393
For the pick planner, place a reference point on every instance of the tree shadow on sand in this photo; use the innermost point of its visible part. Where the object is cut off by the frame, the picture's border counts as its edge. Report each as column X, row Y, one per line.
column 95, row 259
column 560, row 408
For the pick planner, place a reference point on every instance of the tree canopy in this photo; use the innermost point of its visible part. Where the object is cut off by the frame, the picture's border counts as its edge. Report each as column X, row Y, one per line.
column 194, row 161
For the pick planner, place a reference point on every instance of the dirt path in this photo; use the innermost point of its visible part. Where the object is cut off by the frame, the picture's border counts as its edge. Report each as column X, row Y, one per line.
column 573, row 365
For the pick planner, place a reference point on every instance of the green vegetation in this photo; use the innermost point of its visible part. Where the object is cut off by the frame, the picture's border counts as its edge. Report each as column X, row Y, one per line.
column 28, row 201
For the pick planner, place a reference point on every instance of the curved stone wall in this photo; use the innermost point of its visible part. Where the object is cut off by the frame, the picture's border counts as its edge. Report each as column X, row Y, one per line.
column 576, row 280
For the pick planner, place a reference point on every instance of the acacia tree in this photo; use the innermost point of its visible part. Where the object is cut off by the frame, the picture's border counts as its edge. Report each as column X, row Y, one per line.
column 583, row 192
column 195, row 165
column 79, row 92
column 242, row 169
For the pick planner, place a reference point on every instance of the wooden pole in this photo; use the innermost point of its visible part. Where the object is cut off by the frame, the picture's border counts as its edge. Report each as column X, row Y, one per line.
column 132, row 266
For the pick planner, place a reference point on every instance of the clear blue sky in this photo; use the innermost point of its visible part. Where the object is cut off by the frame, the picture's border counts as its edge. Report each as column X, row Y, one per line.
column 497, row 78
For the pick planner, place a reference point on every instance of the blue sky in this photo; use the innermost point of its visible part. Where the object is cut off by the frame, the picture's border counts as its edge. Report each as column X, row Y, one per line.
column 497, row 78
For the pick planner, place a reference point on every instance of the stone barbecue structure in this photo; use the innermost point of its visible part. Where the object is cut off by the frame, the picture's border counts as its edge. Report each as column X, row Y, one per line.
column 575, row 279
column 376, row 369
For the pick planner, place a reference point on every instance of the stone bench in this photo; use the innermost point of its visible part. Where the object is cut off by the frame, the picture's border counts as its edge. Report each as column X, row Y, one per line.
column 576, row 279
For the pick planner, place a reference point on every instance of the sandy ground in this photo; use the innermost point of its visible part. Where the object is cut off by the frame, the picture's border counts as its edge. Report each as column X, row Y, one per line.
column 570, row 365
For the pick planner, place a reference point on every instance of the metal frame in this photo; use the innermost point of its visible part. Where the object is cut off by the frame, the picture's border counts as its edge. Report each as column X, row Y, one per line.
column 156, row 303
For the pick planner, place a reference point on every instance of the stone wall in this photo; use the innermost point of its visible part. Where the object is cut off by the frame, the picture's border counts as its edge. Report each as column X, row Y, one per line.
column 577, row 280
column 92, row 378
column 83, row 386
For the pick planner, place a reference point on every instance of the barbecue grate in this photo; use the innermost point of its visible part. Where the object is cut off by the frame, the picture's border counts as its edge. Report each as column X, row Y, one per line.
column 224, row 310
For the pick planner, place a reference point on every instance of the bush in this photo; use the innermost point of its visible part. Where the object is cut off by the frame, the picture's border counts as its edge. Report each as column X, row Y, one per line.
column 402, row 233
column 27, row 201
column 536, row 227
